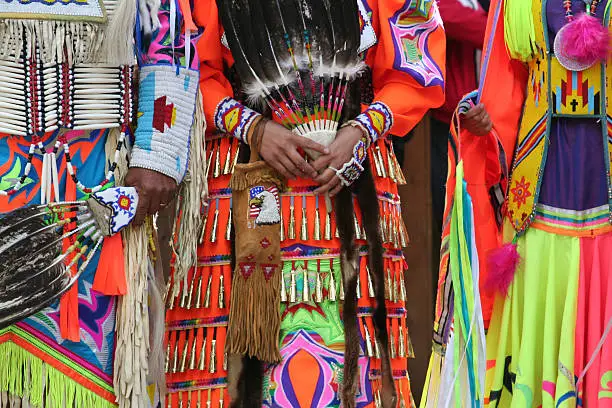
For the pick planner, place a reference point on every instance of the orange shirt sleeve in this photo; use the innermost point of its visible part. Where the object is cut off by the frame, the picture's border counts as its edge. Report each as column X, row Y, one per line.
column 214, row 59
column 408, row 62
column 503, row 84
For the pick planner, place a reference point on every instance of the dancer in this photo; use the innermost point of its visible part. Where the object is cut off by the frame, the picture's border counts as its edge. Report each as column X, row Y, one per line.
column 548, row 343
column 300, row 303
column 70, row 125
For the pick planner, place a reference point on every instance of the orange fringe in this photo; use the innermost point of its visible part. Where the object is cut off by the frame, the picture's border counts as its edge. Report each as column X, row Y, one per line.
column 69, row 303
column 110, row 276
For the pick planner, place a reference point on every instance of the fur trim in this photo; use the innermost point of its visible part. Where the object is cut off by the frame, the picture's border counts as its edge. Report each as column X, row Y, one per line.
column 502, row 265
column 586, row 40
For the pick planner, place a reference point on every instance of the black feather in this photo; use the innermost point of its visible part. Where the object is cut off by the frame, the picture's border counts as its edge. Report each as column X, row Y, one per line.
column 12, row 219
column 27, row 283
column 235, row 17
column 321, row 31
column 336, row 20
column 19, row 224
column 352, row 31
column 274, row 26
column 264, row 44
column 33, row 271
column 292, row 48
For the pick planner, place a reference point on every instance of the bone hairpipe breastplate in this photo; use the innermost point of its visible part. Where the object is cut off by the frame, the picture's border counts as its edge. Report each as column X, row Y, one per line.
column 57, row 70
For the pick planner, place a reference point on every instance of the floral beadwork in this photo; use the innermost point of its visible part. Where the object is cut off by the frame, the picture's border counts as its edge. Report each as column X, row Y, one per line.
column 520, row 192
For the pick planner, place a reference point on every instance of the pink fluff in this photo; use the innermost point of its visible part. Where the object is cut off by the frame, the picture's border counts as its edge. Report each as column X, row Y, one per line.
column 502, row 265
column 586, row 40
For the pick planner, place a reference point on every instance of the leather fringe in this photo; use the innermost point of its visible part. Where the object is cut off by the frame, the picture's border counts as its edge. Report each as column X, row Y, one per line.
column 194, row 192
column 254, row 320
column 133, row 347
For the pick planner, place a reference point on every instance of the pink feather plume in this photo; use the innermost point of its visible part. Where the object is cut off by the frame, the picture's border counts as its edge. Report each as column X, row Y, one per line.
column 502, row 265
column 586, row 39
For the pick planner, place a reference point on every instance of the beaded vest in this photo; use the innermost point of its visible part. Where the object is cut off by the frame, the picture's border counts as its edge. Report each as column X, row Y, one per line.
column 552, row 92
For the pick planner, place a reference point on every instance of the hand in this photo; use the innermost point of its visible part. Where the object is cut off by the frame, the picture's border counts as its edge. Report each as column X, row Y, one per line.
column 155, row 191
column 279, row 148
column 341, row 151
column 476, row 121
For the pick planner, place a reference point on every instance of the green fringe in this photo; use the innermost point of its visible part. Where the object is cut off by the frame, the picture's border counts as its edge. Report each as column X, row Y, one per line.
column 25, row 375
column 519, row 29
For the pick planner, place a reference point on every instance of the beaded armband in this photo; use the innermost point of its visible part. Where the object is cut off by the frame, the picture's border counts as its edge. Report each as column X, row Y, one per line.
column 234, row 118
column 166, row 108
column 376, row 120
column 351, row 170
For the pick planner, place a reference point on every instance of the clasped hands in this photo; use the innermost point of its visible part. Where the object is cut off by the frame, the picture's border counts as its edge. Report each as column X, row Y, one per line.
column 280, row 148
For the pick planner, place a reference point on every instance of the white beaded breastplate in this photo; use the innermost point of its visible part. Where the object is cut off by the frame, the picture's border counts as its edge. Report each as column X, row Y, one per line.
column 65, row 65
column 54, row 68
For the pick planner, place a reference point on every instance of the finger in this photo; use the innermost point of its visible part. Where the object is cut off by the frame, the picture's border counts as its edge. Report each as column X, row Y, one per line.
column 306, row 143
column 290, row 168
column 478, row 132
column 468, row 124
column 141, row 209
column 324, row 177
column 329, row 184
column 305, row 169
column 476, row 110
column 481, row 131
column 168, row 195
column 154, row 203
column 483, row 116
column 321, row 163
column 336, row 189
column 283, row 171
column 477, row 118
column 470, row 114
column 278, row 166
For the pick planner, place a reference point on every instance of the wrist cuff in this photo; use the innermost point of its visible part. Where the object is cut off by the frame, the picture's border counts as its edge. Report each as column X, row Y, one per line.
column 376, row 120
column 234, row 118
column 166, row 107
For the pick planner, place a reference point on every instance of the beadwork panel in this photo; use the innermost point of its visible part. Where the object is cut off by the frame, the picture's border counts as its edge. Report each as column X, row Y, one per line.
column 83, row 10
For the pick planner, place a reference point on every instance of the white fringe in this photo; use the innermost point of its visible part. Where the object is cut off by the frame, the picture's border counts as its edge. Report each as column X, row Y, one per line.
column 118, row 48
column 133, row 346
column 84, row 42
column 81, row 40
column 194, row 191
column 157, row 329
